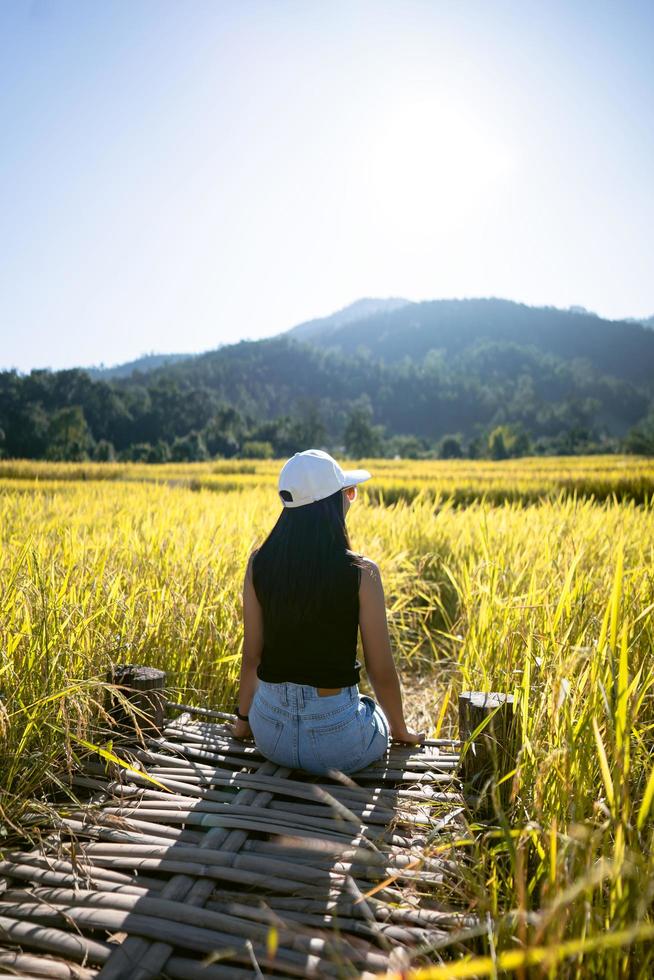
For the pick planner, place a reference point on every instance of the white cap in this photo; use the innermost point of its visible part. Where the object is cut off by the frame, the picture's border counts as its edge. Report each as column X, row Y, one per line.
column 313, row 475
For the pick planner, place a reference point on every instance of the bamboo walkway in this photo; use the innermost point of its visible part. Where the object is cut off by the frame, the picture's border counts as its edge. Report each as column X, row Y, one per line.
column 237, row 868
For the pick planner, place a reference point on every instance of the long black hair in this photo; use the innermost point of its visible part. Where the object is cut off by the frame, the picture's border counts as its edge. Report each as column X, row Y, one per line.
column 297, row 566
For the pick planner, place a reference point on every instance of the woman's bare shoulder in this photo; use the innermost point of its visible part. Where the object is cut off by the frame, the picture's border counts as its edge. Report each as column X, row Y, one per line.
column 248, row 567
column 369, row 570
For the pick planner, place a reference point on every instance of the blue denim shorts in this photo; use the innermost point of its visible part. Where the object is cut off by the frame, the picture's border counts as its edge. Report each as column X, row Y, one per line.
column 295, row 726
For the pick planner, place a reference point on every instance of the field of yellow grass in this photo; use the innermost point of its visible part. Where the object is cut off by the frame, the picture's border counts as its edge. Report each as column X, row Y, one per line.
column 532, row 576
column 462, row 480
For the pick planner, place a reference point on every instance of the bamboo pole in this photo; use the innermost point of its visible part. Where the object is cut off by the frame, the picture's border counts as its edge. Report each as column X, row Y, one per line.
column 129, row 825
column 66, row 865
column 168, row 798
column 206, row 712
column 77, row 947
column 163, row 803
column 359, row 856
column 266, row 869
column 344, row 904
column 26, row 964
column 370, row 815
column 40, row 876
column 172, row 802
column 220, row 777
column 195, row 753
column 200, row 817
column 100, row 833
column 271, row 827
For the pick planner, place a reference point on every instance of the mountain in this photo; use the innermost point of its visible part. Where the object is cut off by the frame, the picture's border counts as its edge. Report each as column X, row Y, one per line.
column 647, row 321
column 582, row 310
column 617, row 348
column 149, row 362
column 394, row 328
column 427, row 369
column 432, row 367
column 359, row 310
column 423, row 370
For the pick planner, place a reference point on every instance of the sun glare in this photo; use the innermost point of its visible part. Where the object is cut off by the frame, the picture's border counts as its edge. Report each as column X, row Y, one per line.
column 434, row 162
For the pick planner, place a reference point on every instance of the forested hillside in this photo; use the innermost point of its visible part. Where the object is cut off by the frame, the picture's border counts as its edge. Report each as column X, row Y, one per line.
column 358, row 310
column 149, row 362
column 473, row 377
column 622, row 348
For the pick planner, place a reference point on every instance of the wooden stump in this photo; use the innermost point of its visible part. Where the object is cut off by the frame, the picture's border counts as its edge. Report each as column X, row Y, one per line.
column 144, row 688
column 494, row 750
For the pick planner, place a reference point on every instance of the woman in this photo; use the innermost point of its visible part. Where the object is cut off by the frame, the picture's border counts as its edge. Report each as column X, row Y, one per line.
column 305, row 595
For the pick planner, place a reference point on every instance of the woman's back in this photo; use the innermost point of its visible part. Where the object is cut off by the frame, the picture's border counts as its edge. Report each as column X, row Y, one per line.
column 320, row 650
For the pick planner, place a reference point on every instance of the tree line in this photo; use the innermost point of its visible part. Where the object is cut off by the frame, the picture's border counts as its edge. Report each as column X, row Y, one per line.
column 274, row 397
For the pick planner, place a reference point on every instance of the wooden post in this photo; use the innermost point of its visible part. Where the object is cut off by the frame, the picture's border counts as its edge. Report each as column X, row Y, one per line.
column 144, row 687
column 494, row 750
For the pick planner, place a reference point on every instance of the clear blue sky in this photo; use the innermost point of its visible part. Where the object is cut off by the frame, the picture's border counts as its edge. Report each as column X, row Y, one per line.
column 177, row 175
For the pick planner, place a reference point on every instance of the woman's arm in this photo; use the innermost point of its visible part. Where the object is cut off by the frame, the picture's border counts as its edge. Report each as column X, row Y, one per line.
column 378, row 656
column 252, row 647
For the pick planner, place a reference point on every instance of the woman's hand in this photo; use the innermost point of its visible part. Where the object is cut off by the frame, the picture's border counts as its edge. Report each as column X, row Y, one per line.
column 241, row 729
column 409, row 738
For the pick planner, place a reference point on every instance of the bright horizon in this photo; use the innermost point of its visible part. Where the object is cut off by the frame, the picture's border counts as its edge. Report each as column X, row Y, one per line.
column 176, row 177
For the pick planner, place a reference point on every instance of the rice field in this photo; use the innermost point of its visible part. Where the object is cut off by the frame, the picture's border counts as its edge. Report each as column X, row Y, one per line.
column 534, row 577
column 463, row 480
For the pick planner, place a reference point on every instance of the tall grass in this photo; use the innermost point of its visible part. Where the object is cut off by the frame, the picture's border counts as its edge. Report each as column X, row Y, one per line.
column 552, row 601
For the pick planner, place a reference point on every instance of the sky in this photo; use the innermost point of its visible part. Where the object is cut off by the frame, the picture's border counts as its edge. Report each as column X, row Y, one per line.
column 179, row 175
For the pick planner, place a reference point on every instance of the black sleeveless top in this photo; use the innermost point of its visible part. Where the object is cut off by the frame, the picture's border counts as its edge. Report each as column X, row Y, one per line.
column 321, row 651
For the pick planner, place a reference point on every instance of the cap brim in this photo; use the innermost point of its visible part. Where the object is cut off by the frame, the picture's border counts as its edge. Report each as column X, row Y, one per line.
column 355, row 476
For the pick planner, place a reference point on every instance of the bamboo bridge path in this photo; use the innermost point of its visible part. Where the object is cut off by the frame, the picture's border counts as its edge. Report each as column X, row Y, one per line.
column 230, row 866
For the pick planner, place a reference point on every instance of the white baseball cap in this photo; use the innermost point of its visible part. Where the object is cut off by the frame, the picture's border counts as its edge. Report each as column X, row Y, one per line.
column 313, row 475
